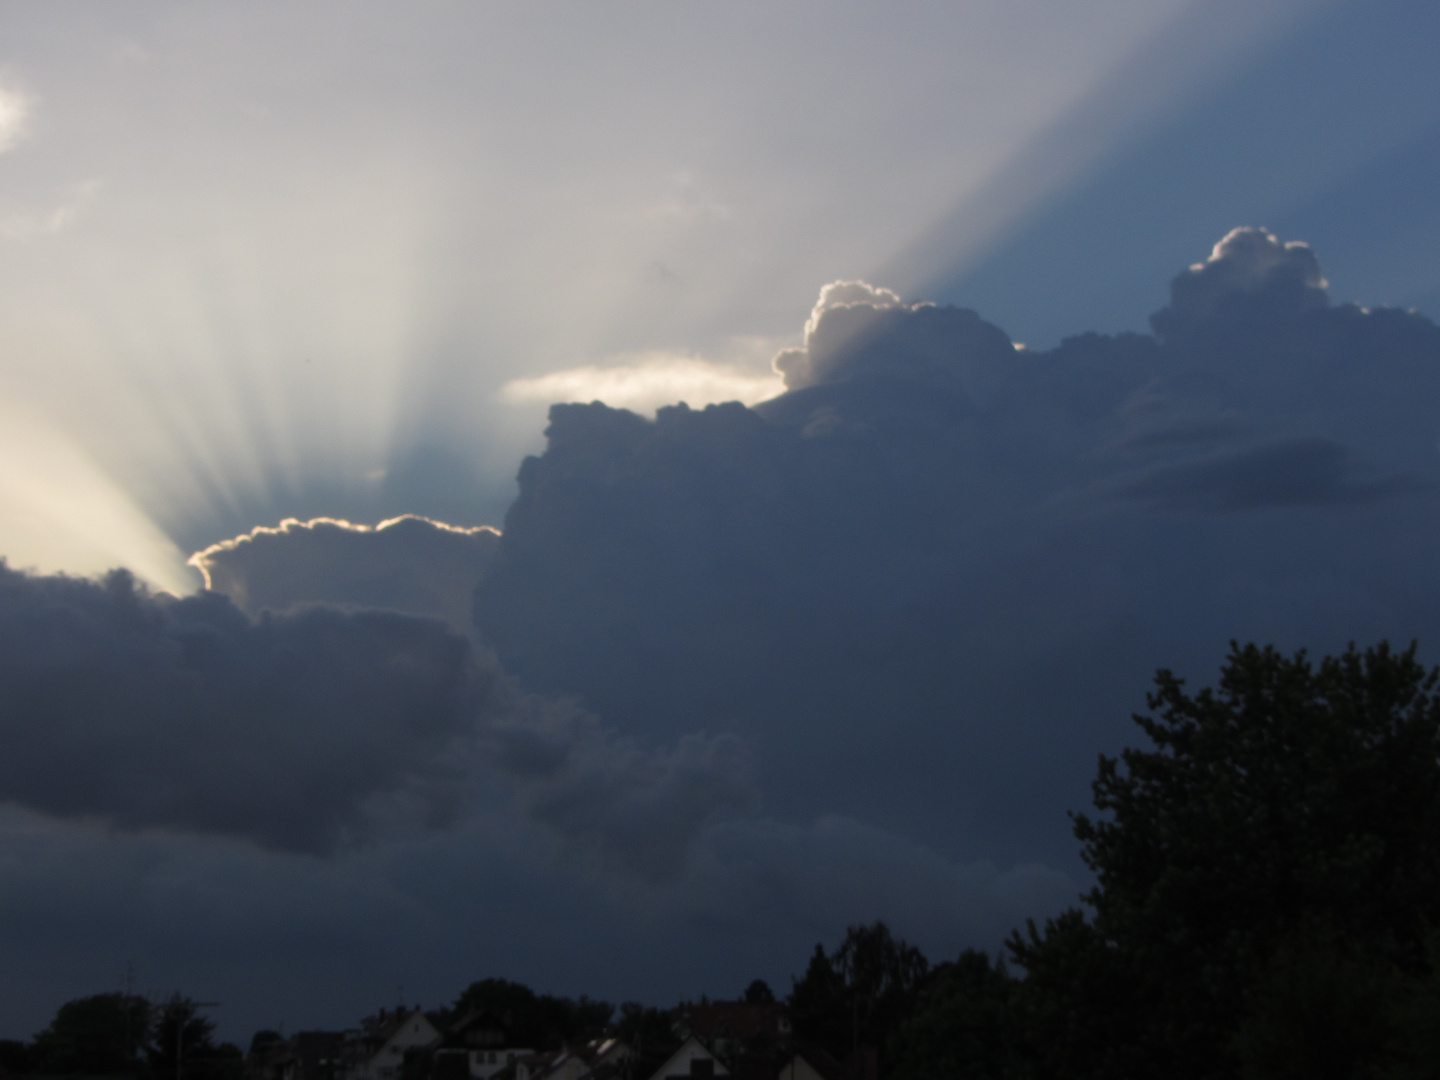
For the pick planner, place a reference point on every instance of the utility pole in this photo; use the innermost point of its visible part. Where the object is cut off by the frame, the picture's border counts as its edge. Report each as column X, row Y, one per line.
column 128, row 1004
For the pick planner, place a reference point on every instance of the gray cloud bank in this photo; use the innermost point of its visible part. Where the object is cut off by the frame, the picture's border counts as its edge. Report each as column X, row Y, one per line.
column 316, row 730
column 346, row 734
column 293, row 811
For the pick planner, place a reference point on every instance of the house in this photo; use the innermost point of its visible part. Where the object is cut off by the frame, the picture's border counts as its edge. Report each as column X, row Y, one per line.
column 476, row 1047
column 377, row 1051
column 599, row 1059
column 314, row 1055
column 306, row 1055
column 734, row 1029
column 693, row 1059
column 811, row 1063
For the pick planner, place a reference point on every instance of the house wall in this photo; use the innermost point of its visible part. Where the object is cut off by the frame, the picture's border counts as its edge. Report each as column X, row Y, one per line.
column 415, row 1033
column 486, row 1063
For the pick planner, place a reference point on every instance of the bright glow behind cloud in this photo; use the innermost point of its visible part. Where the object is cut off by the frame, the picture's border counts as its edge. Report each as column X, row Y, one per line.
column 15, row 108
column 60, row 511
column 648, row 382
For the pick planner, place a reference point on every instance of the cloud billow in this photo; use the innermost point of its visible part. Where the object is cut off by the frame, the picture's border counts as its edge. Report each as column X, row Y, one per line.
column 1249, row 271
column 149, row 711
column 409, row 564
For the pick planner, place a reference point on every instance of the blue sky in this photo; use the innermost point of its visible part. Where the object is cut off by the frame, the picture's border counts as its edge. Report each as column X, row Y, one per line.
column 1326, row 133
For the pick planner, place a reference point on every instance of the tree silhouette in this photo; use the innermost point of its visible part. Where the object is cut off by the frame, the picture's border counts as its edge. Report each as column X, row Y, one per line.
column 182, row 1045
column 857, row 996
column 103, row 1033
column 1292, row 811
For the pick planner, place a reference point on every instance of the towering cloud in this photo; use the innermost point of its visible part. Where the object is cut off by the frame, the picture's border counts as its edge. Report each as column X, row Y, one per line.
column 930, row 580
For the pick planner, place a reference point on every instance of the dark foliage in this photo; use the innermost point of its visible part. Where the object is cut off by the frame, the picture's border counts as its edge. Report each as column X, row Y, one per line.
column 645, row 1029
column 182, row 1046
column 101, row 1034
column 859, row 995
column 14, row 1057
column 1266, row 877
column 758, row 993
column 648, row 1032
column 963, row 1025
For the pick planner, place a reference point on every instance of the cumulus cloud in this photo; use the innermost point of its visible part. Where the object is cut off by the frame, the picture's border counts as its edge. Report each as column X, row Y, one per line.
column 856, row 329
column 933, row 577
column 315, row 730
column 646, row 382
column 409, row 564
column 1248, row 266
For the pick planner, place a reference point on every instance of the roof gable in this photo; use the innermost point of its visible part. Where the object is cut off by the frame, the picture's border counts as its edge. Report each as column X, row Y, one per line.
column 682, row 1063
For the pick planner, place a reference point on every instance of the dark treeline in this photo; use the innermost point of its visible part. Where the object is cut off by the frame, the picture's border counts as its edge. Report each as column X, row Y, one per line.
column 126, row 1035
column 1266, row 905
column 1266, row 899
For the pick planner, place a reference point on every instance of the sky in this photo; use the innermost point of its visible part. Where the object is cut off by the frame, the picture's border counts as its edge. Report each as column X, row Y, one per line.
column 411, row 681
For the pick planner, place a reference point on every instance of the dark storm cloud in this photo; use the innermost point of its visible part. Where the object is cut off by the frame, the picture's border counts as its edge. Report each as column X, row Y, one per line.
column 930, row 581
column 1297, row 472
column 637, row 810
column 151, row 711
column 757, row 873
column 313, row 730
column 408, row 564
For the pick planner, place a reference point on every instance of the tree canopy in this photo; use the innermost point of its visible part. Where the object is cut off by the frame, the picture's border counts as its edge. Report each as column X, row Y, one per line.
column 858, row 995
column 103, row 1033
column 1288, row 818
